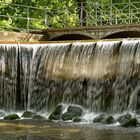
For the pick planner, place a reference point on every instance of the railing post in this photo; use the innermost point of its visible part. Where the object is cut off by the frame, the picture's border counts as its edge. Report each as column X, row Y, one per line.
column 110, row 18
column 66, row 16
column 46, row 18
column 28, row 19
column 101, row 14
column 129, row 14
column 96, row 13
column 81, row 14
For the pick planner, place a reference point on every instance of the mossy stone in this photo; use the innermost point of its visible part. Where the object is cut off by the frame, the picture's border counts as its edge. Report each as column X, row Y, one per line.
column 57, row 113
column 76, row 110
column 11, row 117
column 99, row 118
column 124, row 118
column 2, row 114
column 38, row 117
column 28, row 114
column 108, row 120
column 131, row 122
column 77, row 119
column 72, row 112
column 68, row 116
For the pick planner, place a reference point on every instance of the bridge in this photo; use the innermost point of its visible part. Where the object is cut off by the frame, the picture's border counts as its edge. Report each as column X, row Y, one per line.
column 86, row 33
column 78, row 21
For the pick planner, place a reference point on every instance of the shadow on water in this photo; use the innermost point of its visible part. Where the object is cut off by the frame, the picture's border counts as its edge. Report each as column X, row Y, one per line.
column 41, row 130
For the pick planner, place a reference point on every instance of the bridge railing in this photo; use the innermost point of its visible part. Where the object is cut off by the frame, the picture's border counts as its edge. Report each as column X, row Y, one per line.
column 29, row 18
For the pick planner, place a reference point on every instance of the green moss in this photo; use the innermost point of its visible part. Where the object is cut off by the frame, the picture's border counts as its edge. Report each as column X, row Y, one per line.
column 38, row 117
column 28, row 114
column 131, row 122
column 11, row 117
column 77, row 119
column 57, row 113
column 72, row 112
column 124, row 118
column 68, row 116
column 108, row 120
column 99, row 118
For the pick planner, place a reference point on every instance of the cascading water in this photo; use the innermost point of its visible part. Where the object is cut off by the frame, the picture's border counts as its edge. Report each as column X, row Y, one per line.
column 102, row 76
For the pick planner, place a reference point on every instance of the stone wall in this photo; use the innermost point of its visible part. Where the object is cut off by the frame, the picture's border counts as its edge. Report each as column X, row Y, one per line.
column 21, row 37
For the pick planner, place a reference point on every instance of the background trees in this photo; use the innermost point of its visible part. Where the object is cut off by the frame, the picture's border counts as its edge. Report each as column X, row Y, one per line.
column 61, row 13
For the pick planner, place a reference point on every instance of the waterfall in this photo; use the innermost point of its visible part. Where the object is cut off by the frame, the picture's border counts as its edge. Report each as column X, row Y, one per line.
column 99, row 76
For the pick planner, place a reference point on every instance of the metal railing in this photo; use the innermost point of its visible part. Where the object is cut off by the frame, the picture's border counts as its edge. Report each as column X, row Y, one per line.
column 28, row 18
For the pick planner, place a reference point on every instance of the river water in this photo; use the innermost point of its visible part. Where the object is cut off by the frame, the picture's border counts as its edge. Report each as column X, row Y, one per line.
column 42, row 130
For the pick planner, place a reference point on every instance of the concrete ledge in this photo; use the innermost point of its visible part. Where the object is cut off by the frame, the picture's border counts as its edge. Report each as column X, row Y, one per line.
column 21, row 37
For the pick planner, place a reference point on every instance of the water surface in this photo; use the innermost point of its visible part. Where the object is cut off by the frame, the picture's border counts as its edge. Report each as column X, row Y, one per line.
column 42, row 130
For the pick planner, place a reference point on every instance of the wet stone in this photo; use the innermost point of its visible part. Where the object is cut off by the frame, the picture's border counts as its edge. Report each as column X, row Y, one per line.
column 99, row 118
column 11, row 117
column 57, row 113
column 108, row 120
column 28, row 114
column 72, row 112
column 124, row 118
column 77, row 119
column 130, row 122
column 38, row 117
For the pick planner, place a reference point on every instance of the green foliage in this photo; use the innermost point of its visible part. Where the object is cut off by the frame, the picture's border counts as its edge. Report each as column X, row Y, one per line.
column 59, row 13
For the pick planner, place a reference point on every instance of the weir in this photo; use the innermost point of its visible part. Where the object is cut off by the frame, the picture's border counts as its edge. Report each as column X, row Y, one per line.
column 102, row 76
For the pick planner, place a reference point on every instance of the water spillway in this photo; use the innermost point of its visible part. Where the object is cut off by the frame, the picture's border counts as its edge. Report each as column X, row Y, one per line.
column 99, row 76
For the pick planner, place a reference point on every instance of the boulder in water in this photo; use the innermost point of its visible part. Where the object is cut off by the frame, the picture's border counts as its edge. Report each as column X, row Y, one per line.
column 77, row 119
column 57, row 113
column 38, row 117
column 124, row 118
column 11, row 117
column 99, row 118
column 72, row 112
column 130, row 122
column 28, row 114
column 108, row 120
column 2, row 114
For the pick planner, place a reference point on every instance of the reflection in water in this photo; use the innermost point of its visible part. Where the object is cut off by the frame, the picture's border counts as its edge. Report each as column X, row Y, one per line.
column 40, row 130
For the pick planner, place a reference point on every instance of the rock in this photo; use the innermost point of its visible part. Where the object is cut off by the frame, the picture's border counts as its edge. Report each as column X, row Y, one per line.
column 99, row 118
column 76, row 110
column 57, row 113
column 38, row 117
column 72, row 112
column 68, row 116
column 124, row 118
column 11, row 117
column 108, row 120
column 130, row 122
column 2, row 114
column 28, row 114
column 77, row 119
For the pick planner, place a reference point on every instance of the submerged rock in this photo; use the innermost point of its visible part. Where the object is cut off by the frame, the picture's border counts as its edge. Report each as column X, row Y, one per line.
column 68, row 116
column 2, row 114
column 124, row 118
column 38, row 117
column 28, row 114
column 108, row 120
column 99, row 118
column 130, row 122
column 57, row 113
column 77, row 119
column 11, row 117
column 72, row 112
